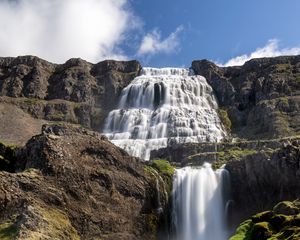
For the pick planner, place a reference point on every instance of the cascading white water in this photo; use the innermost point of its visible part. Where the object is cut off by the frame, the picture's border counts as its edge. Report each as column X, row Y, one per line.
column 164, row 106
column 199, row 203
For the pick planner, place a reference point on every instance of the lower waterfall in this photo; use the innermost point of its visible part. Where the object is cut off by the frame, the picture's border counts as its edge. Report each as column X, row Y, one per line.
column 199, row 203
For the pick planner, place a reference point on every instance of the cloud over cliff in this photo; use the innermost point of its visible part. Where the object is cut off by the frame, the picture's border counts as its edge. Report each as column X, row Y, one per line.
column 58, row 30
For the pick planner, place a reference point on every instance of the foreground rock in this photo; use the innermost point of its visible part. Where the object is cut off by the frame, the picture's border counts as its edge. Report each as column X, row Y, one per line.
column 72, row 183
column 282, row 222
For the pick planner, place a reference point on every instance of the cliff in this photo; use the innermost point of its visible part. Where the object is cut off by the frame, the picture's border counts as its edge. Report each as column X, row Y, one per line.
column 77, row 92
column 262, row 97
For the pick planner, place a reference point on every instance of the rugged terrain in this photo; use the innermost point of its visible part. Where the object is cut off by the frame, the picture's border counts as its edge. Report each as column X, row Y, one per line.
column 71, row 183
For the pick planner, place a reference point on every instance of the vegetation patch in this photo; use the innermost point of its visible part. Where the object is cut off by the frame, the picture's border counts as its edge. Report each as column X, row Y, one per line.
column 283, row 67
column 244, row 231
column 272, row 225
column 223, row 115
column 234, row 153
column 8, row 230
column 164, row 169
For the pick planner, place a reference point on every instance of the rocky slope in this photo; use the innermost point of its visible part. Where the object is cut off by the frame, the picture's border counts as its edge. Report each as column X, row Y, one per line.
column 71, row 183
column 77, row 91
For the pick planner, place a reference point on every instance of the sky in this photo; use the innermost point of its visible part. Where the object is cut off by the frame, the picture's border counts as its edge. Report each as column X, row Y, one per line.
column 158, row 33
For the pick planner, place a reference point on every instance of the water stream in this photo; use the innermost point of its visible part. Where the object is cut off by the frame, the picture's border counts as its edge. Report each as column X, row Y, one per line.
column 199, row 203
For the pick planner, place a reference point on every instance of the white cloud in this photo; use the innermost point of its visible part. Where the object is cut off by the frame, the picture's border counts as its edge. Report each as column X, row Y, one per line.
column 153, row 44
column 60, row 29
column 270, row 50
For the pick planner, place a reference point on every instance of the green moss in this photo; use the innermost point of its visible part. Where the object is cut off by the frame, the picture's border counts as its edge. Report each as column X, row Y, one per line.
column 223, row 115
column 8, row 231
column 262, row 217
column 262, row 230
column 244, row 231
column 59, row 221
column 56, row 225
column 163, row 167
column 286, row 208
column 271, row 225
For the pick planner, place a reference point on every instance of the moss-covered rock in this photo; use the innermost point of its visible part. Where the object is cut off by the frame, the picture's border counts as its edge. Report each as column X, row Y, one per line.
column 244, row 231
column 164, row 169
column 261, row 230
column 283, row 222
column 286, row 208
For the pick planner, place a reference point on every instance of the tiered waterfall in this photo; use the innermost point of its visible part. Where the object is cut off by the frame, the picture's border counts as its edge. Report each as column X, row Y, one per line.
column 161, row 107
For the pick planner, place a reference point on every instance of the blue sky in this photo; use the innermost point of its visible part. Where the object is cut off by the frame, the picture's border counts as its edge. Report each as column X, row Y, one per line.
column 221, row 29
column 157, row 33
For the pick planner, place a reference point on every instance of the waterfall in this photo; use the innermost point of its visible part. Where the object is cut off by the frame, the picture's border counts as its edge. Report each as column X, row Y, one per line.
column 199, row 203
column 161, row 107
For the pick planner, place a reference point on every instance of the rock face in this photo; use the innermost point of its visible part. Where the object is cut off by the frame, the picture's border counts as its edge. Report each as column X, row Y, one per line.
column 77, row 91
column 71, row 183
column 261, row 97
column 261, row 180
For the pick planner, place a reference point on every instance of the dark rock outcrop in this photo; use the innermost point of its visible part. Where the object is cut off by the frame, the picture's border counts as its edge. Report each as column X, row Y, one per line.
column 71, row 183
column 261, row 97
column 261, row 180
column 77, row 91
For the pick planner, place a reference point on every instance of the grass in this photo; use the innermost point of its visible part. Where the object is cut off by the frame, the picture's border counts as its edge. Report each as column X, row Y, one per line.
column 8, row 231
column 223, row 115
column 234, row 153
column 58, row 222
column 163, row 167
